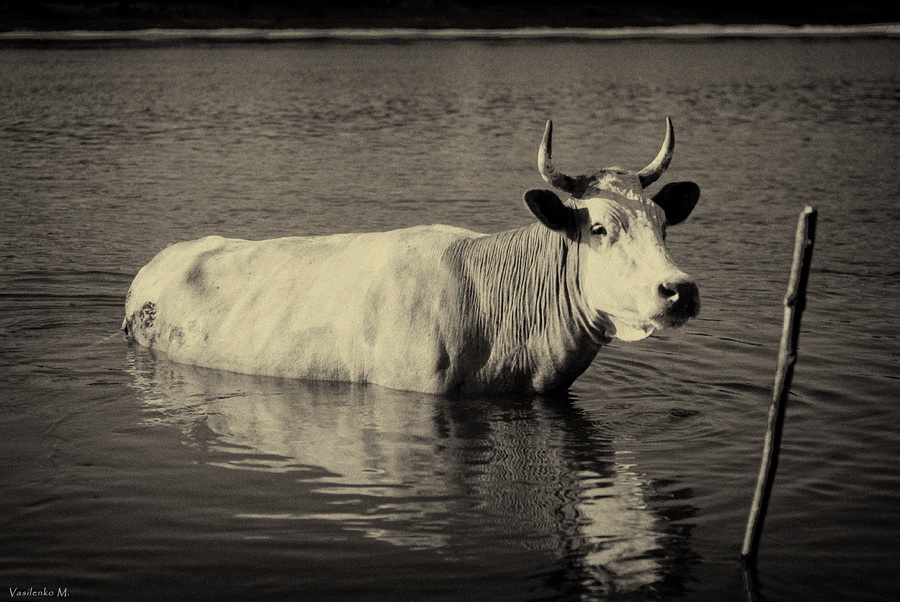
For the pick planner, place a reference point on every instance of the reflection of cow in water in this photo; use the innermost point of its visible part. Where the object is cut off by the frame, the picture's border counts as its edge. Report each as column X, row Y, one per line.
column 459, row 476
column 433, row 308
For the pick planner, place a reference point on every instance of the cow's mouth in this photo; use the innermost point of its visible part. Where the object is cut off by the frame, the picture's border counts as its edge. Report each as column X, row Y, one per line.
column 667, row 321
column 677, row 316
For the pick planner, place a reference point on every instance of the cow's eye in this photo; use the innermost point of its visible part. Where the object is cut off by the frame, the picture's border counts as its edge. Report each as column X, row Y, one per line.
column 598, row 230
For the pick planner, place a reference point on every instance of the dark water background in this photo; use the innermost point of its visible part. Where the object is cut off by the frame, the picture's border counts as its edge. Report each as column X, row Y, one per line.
column 125, row 476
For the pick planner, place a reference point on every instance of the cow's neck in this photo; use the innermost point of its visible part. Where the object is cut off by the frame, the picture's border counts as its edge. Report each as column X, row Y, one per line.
column 521, row 292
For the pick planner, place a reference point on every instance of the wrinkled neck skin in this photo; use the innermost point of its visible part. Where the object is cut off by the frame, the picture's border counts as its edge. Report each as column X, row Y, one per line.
column 521, row 292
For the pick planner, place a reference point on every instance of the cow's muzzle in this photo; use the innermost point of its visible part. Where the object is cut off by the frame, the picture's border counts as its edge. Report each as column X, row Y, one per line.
column 682, row 301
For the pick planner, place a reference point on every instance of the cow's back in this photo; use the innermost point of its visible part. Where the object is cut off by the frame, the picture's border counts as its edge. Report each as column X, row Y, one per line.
column 333, row 307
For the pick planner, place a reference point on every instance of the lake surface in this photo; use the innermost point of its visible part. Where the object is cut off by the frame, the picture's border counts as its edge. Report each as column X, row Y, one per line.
column 126, row 476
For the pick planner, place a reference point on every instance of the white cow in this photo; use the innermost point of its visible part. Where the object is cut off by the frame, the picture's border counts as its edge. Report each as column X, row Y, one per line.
column 435, row 309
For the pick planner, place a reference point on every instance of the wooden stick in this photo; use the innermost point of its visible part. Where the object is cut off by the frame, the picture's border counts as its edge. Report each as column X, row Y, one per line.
column 794, row 303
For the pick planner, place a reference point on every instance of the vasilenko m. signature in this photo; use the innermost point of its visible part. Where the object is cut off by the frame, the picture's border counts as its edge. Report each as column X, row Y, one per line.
column 42, row 592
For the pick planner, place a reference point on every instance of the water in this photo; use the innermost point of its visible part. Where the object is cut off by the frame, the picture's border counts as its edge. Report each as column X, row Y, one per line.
column 125, row 476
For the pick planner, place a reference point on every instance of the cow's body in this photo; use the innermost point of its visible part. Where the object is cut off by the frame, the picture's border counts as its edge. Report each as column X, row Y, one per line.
column 432, row 308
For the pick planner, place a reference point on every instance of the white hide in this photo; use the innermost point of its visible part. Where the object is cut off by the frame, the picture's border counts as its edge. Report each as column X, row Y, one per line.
column 432, row 308
column 348, row 307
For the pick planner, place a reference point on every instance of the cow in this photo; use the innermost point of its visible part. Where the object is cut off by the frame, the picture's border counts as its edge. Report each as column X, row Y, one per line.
column 434, row 309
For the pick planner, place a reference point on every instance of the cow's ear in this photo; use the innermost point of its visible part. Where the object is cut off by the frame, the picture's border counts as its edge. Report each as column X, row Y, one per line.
column 677, row 199
column 549, row 209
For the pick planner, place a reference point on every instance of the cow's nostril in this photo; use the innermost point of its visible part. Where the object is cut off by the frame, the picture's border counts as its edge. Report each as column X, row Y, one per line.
column 681, row 298
column 665, row 292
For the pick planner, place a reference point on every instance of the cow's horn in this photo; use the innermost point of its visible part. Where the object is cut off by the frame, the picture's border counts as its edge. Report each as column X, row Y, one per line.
column 652, row 172
column 545, row 164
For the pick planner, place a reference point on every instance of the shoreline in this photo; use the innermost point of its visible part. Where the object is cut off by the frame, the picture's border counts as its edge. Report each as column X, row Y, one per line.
column 400, row 34
column 426, row 15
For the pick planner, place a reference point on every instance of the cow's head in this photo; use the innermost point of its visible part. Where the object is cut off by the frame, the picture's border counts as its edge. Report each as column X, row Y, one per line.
column 625, row 276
